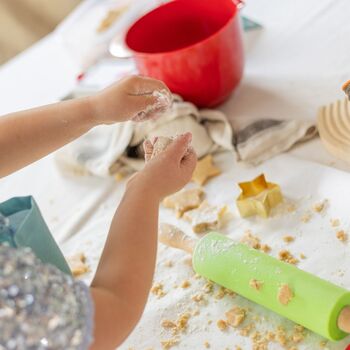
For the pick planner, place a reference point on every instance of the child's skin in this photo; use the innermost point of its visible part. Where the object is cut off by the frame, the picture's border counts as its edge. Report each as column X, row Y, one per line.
column 124, row 275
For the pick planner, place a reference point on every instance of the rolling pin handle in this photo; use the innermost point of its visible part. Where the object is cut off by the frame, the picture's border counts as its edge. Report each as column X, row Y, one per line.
column 173, row 237
column 344, row 319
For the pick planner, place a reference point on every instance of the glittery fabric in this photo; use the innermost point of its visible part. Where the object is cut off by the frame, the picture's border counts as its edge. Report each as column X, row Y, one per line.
column 40, row 306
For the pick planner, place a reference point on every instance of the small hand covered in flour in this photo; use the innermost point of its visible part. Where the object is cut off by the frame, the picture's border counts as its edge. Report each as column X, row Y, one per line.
column 133, row 98
column 170, row 170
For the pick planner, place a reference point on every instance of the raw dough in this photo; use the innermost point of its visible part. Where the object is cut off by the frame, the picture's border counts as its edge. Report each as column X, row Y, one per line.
column 256, row 284
column 205, row 170
column 160, row 145
column 206, row 217
column 235, row 316
column 184, row 200
column 285, row 294
column 77, row 264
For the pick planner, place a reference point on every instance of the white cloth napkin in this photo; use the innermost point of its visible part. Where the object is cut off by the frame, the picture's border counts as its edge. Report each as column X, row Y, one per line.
column 259, row 139
column 110, row 149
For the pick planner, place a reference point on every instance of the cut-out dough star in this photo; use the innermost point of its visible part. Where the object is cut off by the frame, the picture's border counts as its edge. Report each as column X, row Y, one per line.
column 184, row 200
column 205, row 170
column 206, row 217
column 258, row 197
column 77, row 264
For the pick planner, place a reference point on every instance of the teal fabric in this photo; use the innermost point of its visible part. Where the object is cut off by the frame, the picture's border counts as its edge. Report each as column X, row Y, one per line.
column 25, row 227
column 249, row 24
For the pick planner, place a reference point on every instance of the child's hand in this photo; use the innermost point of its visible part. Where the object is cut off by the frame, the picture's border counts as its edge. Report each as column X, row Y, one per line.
column 169, row 171
column 133, row 98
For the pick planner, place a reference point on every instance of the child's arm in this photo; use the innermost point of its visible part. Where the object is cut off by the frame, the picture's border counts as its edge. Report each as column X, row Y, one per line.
column 124, row 275
column 30, row 135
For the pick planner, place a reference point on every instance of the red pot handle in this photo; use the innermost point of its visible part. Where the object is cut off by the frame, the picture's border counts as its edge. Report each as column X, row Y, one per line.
column 118, row 49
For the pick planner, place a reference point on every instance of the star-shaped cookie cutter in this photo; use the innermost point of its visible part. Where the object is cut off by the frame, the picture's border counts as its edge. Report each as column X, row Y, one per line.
column 258, row 197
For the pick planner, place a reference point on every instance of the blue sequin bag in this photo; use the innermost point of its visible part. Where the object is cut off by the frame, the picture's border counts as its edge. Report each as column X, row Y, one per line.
column 22, row 225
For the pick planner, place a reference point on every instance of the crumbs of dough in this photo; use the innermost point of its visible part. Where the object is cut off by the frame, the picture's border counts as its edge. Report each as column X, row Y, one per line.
column 285, row 294
column 235, row 316
column 270, row 336
column 208, row 287
column 169, row 343
column 222, row 292
column 287, row 257
column 335, row 222
column 291, row 208
column 281, row 336
column 298, row 334
column 157, row 290
column 222, row 325
column 168, row 324
column 206, row 344
column 288, row 239
column 196, row 312
column 197, row 276
column 182, row 321
column 179, row 326
column 342, row 236
column 250, row 240
column 259, row 343
column 197, row 298
column 256, row 284
column 323, row 344
column 185, row 284
column 254, row 242
column 245, row 331
column 320, row 206
column 265, row 248
column 306, row 218
column 302, row 256
column 168, row 263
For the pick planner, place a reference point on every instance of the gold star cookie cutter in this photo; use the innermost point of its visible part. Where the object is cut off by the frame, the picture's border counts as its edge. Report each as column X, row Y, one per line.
column 258, row 197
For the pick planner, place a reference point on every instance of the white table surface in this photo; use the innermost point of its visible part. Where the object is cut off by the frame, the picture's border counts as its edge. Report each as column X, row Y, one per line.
column 294, row 65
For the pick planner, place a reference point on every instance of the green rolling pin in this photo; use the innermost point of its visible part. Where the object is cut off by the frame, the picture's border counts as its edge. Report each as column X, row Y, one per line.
column 312, row 302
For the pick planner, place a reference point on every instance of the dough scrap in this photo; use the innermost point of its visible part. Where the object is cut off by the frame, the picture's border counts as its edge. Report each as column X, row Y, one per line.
column 320, row 206
column 184, row 200
column 250, row 240
column 77, row 264
column 288, row 239
column 169, row 343
column 185, row 284
column 161, row 143
column 256, row 284
column 335, row 222
column 342, row 236
column 222, row 325
column 235, row 316
column 285, row 294
column 157, row 290
column 287, row 256
column 205, row 170
column 206, row 217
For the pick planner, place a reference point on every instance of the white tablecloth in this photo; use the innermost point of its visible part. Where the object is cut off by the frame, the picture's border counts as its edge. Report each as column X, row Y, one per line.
column 294, row 65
